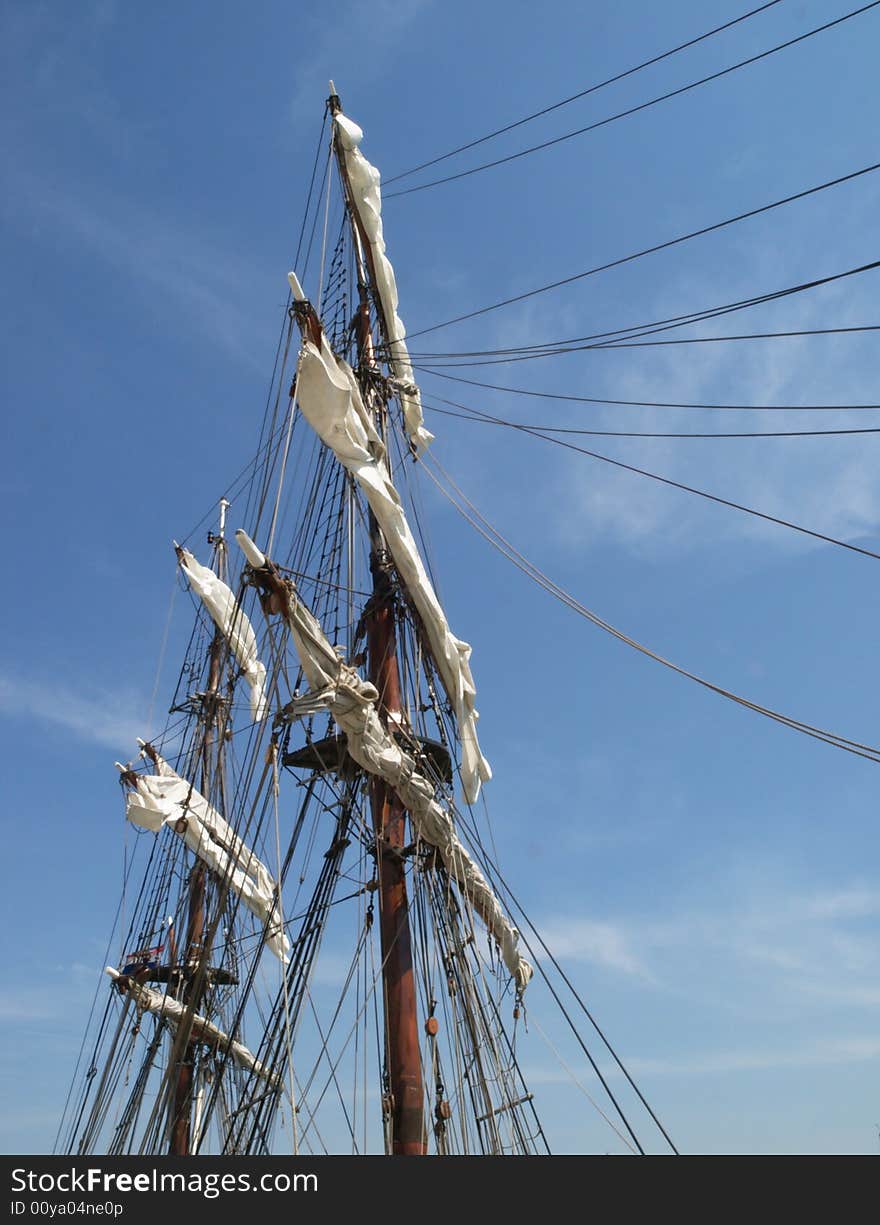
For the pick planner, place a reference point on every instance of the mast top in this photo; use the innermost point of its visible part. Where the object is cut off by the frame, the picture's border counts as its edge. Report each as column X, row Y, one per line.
column 250, row 550
column 333, row 101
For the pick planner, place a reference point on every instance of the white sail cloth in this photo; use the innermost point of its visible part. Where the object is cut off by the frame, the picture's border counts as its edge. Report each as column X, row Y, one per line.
column 331, row 402
column 164, row 798
column 352, row 703
column 364, row 180
column 232, row 622
column 202, row 1029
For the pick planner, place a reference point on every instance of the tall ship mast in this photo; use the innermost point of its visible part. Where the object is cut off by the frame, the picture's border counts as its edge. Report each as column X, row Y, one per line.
column 317, row 949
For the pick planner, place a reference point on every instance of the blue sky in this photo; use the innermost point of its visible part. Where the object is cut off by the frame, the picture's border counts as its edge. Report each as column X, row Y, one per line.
column 709, row 879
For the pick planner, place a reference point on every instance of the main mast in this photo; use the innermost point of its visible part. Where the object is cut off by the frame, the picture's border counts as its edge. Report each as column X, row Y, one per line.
column 404, row 1070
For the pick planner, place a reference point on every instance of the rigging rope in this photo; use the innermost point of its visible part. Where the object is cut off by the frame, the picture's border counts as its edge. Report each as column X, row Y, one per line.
column 629, row 343
column 665, row 480
column 473, row 414
column 629, row 333
column 592, row 1102
column 494, row 537
column 747, row 408
column 662, row 246
column 282, row 970
column 634, row 110
column 501, row 884
column 692, row 42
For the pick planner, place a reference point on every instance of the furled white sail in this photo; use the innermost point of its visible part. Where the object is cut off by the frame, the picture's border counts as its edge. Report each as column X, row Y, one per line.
column 232, row 622
column 202, row 1029
column 364, row 180
column 331, row 402
column 352, row 703
column 164, row 798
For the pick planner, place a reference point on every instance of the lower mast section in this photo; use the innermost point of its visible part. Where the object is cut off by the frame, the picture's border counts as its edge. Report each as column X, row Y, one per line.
column 389, row 820
column 181, row 1132
column 183, row 1088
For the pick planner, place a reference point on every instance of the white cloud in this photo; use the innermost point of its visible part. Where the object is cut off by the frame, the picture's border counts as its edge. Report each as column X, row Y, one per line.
column 159, row 255
column 829, row 1052
column 599, row 942
column 777, row 951
column 826, row 1053
column 845, row 904
column 26, row 1004
column 25, row 1001
column 63, row 59
column 355, row 47
column 107, row 718
column 167, row 256
column 826, row 484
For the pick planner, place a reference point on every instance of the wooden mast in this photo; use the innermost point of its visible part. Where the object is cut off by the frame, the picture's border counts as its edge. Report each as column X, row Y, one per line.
column 181, row 1119
column 406, row 1091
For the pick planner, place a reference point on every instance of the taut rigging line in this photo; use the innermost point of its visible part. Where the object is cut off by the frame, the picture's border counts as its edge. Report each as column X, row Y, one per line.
column 487, row 419
column 633, row 110
column 657, row 325
column 662, row 246
column 739, row 408
column 490, row 534
column 474, row 414
column 692, row 42
column 628, row 342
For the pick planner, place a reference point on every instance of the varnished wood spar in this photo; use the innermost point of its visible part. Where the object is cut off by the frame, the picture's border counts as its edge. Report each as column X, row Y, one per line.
column 183, row 1085
column 389, row 821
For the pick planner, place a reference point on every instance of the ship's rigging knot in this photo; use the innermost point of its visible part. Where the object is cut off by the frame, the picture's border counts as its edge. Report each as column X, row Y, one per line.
column 403, row 386
column 307, row 704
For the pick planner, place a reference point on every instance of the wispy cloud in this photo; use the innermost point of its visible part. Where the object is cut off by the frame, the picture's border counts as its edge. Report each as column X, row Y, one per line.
column 356, row 45
column 63, row 60
column 830, row 1052
column 26, row 1004
column 827, row 484
column 826, row 1053
column 162, row 257
column 25, row 1001
column 778, row 951
column 108, row 718
column 166, row 255
column 602, row 943
column 845, row 904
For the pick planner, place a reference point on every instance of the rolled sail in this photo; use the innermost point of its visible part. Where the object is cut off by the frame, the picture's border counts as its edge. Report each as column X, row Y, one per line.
column 352, row 703
column 331, row 402
column 202, row 1029
column 164, row 798
column 364, row 180
column 233, row 624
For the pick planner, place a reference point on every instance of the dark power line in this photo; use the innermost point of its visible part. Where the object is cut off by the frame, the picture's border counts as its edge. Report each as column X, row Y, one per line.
column 662, row 246
column 628, row 343
column 674, row 321
column 634, row 110
column 746, row 408
column 472, row 144
column 701, row 493
column 489, row 533
column 474, row 414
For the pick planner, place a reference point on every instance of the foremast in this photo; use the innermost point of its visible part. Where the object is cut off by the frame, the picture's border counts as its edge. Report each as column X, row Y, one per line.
column 212, row 716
